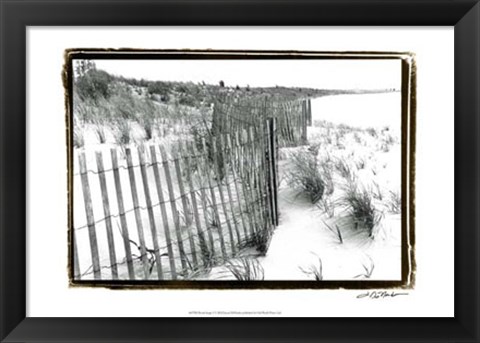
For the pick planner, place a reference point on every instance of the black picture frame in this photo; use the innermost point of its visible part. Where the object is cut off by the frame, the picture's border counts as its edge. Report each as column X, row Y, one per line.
column 17, row 15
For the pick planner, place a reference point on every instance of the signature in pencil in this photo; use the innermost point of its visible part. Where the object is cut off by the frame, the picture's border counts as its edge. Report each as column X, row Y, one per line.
column 379, row 295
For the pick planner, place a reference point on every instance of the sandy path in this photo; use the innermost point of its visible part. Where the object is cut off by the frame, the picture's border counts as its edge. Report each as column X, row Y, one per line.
column 301, row 239
column 296, row 240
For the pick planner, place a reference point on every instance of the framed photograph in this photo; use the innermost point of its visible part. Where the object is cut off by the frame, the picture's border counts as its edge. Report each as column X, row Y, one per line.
column 254, row 177
column 291, row 180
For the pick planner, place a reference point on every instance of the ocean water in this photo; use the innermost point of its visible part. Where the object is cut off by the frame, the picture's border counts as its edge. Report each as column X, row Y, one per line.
column 361, row 110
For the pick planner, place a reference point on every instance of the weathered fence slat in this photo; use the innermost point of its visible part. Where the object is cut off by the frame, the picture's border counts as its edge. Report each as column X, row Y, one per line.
column 173, row 206
column 106, row 212
column 261, row 181
column 214, row 202
column 235, row 183
column 151, row 216
column 87, row 199
column 138, row 217
column 199, row 160
column 298, row 131
column 255, row 140
column 226, row 155
column 309, row 112
column 290, row 128
column 260, row 174
column 257, row 212
column 304, row 121
column 121, row 212
column 217, row 162
column 76, row 261
column 163, row 210
column 201, row 237
column 246, row 193
column 186, row 211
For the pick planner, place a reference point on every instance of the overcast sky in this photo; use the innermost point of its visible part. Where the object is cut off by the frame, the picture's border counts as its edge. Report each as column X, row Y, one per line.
column 322, row 74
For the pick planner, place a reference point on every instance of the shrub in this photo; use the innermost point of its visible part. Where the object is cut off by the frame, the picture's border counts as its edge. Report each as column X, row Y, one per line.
column 158, row 87
column 305, row 174
column 123, row 103
column 187, row 100
column 94, row 84
column 371, row 131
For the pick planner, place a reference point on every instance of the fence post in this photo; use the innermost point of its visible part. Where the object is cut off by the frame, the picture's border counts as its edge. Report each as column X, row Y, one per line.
column 106, row 212
column 303, row 122
column 87, row 199
column 267, row 172
column 272, row 149
column 121, row 213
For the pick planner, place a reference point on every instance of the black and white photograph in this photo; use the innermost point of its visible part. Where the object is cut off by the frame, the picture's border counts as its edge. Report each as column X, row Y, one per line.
column 240, row 166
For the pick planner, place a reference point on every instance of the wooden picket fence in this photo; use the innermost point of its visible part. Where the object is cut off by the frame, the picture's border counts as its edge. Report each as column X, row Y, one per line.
column 292, row 117
column 173, row 211
column 169, row 212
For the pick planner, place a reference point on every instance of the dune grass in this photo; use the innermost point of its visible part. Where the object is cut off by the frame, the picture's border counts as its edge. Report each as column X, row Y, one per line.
column 246, row 269
column 314, row 271
column 360, row 205
column 306, row 176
